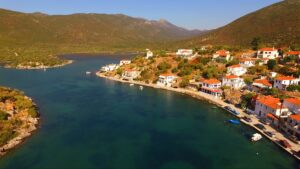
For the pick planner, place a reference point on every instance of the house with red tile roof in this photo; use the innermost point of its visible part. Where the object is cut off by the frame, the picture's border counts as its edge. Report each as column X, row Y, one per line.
column 267, row 53
column 233, row 81
column 293, row 53
column 261, row 84
column 185, row 53
column 282, row 82
column 166, row 79
column 237, row 70
column 269, row 104
column 212, row 87
column 293, row 104
column 222, row 54
column 124, row 62
column 292, row 126
column 247, row 62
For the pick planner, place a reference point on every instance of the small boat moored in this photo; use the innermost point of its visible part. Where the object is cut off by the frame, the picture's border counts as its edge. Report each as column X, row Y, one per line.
column 141, row 87
column 232, row 121
column 256, row 137
column 88, row 73
column 231, row 110
column 131, row 84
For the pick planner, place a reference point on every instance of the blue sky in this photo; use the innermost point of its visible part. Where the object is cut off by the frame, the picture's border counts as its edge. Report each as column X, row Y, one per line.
column 191, row 14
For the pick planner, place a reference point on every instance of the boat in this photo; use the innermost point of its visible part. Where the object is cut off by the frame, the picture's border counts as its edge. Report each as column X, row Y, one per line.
column 141, row 87
column 131, row 84
column 45, row 69
column 232, row 121
column 88, row 73
column 256, row 137
column 231, row 110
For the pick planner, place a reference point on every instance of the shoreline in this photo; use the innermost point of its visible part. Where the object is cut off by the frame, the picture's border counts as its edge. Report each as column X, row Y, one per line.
column 39, row 67
column 220, row 103
column 21, row 138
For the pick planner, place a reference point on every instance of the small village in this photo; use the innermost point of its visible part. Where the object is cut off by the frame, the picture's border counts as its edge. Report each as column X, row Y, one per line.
column 261, row 86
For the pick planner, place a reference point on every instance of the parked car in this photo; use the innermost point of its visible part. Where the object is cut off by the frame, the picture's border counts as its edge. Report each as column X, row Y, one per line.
column 247, row 119
column 285, row 143
column 260, row 126
column 269, row 133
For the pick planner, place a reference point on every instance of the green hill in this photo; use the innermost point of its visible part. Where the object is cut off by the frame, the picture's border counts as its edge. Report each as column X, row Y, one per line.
column 40, row 37
column 278, row 24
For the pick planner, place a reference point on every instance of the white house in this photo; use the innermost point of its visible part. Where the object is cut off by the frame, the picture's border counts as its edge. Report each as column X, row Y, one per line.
column 212, row 87
column 283, row 82
column 268, row 104
column 130, row 74
column 185, row 53
column 125, row 62
column 233, row 81
column 272, row 74
column 237, row 70
column 261, row 84
column 223, row 54
column 109, row 67
column 269, row 53
column 247, row 62
column 166, row 79
column 292, row 104
column 292, row 126
column 149, row 54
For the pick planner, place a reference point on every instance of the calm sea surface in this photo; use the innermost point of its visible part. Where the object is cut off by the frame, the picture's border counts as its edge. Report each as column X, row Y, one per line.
column 88, row 122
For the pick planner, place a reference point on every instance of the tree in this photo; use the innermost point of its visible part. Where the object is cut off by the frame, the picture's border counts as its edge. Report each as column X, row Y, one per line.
column 184, row 83
column 256, row 43
column 163, row 66
column 271, row 64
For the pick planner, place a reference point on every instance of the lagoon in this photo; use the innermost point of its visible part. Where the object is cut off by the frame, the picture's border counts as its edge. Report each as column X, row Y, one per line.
column 89, row 122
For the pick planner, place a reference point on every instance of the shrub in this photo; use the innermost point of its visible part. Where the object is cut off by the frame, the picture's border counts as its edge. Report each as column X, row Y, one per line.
column 184, row 83
column 163, row 66
column 3, row 115
column 293, row 88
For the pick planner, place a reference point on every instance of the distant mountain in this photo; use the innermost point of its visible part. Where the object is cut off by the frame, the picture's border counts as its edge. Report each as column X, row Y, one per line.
column 278, row 24
column 96, row 29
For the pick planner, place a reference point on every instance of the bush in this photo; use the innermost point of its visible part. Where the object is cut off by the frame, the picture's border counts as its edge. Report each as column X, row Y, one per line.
column 184, row 83
column 163, row 66
column 293, row 88
column 271, row 64
column 3, row 115
column 32, row 112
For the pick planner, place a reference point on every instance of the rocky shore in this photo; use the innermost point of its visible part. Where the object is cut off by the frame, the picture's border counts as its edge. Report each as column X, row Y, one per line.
column 203, row 96
column 23, row 134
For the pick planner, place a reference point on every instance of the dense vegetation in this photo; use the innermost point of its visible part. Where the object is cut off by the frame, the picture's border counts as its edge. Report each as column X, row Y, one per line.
column 12, row 118
column 276, row 25
column 39, row 37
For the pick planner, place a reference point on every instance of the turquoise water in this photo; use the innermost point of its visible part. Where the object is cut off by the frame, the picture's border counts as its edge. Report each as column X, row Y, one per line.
column 88, row 122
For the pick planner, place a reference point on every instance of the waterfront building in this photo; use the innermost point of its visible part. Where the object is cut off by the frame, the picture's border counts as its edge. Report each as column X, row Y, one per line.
column 293, row 104
column 233, row 81
column 130, row 74
column 212, row 87
column 109, row 67
column 268, row 104
column 167, row 79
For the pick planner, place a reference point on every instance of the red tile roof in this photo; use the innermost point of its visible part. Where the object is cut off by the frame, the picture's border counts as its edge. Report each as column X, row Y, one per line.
column 211, row 81
column 295, row 117
column 213, row 90
column 272, row 116
column 268, row 49
column 231, row 77
column 270, row 101
column 167, row 74
column 293, row 101
column 235, row 66
column 263, row 82
column 293, row 53
column 285, row 78
column 222, row 52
